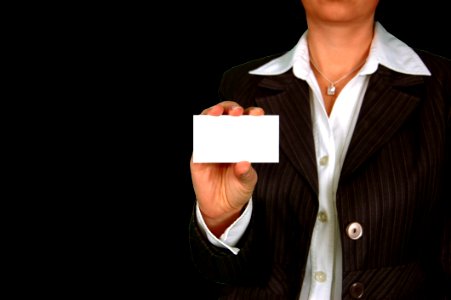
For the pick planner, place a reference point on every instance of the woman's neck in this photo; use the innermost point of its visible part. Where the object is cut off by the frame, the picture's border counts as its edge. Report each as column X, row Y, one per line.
column 336, row 54
column 338, row 49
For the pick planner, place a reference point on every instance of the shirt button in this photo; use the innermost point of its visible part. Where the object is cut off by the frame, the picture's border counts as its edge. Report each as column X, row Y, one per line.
column 324, row 160
column 354, row 231
column 320, row 276
column 322, row 216
column 356, row 290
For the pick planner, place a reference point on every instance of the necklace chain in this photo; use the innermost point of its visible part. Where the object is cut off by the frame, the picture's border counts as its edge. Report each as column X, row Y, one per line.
column 331, row 87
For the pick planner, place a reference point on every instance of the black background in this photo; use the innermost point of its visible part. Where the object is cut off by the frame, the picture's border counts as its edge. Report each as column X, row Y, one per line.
column 154, row 66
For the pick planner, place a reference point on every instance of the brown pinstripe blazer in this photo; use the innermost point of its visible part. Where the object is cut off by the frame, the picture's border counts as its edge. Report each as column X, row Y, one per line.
column 393, row 183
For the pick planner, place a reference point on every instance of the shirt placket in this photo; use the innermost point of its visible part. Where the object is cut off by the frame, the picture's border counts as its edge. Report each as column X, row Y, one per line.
column 322, row 253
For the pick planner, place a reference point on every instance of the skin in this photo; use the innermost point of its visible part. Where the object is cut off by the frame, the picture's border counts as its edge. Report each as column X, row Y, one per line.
column 337, row 29
column 339, row 39
column 222, row 190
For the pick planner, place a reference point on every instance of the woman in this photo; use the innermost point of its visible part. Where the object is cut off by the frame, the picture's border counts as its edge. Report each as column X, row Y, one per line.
column 357, row 205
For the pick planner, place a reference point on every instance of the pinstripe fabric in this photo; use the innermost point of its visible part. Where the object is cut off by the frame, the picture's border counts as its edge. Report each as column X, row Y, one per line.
column 392, row 184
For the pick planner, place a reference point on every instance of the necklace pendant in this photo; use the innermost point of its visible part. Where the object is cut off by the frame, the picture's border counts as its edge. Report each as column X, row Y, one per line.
column 331, row 89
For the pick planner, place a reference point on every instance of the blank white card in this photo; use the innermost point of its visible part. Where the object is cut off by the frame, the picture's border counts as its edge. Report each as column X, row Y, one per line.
column 226, row 139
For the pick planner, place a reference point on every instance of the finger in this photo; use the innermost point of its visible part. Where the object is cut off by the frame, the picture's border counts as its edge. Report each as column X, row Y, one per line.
column 232, row 108
column 224, row 108
column 254, row 111
column 246, row 174
column 215, row 110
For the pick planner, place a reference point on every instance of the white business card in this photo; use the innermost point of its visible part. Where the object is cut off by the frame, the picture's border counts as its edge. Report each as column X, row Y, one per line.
column 226, row 139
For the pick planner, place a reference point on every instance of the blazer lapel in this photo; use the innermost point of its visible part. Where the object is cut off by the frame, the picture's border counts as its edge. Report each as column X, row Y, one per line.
column 289, row 98
column 385, row 107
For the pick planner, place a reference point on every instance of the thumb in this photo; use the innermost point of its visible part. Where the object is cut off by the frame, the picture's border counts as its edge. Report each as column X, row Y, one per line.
column 246, row 174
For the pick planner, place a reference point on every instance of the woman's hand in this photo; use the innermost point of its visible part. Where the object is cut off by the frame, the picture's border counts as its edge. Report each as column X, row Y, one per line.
column 223, row 189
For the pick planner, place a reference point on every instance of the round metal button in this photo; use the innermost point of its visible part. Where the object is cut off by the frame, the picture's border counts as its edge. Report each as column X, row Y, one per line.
column 356, row 290
column 354, row 231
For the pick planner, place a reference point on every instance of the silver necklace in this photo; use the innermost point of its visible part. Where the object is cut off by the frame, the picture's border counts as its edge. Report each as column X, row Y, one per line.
column 331, row 86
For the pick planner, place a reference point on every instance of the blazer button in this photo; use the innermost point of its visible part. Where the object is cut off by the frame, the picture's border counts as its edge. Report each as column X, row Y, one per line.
column 356, row 290
column 354, row 231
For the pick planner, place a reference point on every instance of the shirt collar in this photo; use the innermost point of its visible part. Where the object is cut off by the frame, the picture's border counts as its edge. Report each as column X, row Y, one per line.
column 386, row 50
